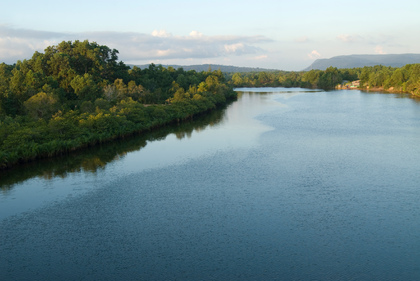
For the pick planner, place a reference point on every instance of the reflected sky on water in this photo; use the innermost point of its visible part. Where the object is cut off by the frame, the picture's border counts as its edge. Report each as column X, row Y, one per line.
column 286, row 184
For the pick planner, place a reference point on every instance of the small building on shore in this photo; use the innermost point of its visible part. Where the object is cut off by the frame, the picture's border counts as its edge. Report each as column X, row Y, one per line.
column 355, row 84
column 348, row 85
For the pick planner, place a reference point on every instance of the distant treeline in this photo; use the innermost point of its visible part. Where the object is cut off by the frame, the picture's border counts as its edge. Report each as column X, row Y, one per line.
column 206, row 67
column 405, row 79
column 319, row 79
column 77, row 94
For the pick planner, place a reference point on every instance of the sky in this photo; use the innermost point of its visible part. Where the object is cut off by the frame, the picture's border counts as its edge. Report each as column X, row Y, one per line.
column 284, row 35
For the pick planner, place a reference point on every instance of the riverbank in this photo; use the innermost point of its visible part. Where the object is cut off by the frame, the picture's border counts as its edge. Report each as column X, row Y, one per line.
column 390, row 90
column 73, row 131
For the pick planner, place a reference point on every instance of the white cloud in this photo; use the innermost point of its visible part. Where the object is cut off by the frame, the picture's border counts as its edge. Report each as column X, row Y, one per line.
column 232, row 48
column 302, row 39
column 379, row 50
column 196, row 34
column 314, row 55
column 18, row 44
column 163, row 53
column 349, row 38
column 161, row 33
column 13, row 49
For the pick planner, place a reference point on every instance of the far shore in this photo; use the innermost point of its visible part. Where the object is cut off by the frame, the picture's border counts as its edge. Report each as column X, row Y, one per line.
column 391, row 90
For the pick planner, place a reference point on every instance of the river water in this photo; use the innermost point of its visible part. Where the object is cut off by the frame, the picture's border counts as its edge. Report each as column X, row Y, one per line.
column 283, row 184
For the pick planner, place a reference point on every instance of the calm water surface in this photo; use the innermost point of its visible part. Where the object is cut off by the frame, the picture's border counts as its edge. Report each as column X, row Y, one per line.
column 283, row 184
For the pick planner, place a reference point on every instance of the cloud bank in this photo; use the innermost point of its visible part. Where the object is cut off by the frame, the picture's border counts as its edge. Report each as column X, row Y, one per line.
column 17, row 44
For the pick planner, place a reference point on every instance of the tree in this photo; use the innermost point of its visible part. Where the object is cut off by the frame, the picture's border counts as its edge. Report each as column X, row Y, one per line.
column 85, row 87
column 311, row 77
column 59, row 68
column 41, row 105
column 364, row 75
column 263, row 78
column 182, row 81
column 237, row 79
column 329, row 78
column 5, row 74
column 179, row 96
column 135, row 91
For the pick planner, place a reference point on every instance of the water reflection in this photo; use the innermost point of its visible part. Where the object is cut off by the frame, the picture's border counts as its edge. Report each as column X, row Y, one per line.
column 96, row 158
column 93, row 159
column 321, row 186
column 278, row 90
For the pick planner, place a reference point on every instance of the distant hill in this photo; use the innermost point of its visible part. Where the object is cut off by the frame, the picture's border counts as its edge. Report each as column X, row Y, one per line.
column 353, row 61
column 205, row 67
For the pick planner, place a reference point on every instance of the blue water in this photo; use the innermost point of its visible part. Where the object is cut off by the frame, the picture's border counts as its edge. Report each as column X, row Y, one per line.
column 290, row 185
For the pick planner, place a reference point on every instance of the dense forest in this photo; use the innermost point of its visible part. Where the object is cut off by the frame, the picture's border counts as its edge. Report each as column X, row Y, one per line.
column 77, row 94
column 405, row 79
column 319, row 79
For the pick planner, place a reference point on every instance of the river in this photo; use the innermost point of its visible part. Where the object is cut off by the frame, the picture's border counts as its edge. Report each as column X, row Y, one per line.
column 283, row 184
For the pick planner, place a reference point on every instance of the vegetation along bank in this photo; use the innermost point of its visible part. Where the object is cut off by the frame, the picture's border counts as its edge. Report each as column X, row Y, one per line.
column 405, row 79
column 77, row 94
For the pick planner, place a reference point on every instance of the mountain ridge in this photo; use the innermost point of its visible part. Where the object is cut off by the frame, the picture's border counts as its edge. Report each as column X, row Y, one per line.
column 353, row 61
column 205, row 67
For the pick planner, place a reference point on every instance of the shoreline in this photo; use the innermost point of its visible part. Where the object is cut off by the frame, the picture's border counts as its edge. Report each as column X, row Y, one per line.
column 381, row 89
column 65, row 149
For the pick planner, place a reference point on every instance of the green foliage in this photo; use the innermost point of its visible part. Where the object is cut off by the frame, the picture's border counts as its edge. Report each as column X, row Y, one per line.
column 41, row 105
column 85, row 87
column 405, row 79
column 76, row 94
column 330, row 78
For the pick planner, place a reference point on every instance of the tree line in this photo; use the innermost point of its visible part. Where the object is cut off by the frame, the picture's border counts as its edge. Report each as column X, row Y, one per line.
column 405, row 79
column 77, row 94
column 320, row 79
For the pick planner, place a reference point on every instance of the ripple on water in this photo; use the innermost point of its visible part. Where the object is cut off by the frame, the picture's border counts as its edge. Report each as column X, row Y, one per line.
column 309, row 201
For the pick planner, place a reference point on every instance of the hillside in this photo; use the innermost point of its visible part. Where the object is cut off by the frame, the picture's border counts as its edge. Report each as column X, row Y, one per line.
column 352, row 61
column 205, row 67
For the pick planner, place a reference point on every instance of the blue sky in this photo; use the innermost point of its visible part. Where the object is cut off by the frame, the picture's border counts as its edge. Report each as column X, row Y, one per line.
column 287, row 35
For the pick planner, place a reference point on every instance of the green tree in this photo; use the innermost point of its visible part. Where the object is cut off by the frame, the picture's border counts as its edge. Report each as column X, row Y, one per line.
column 179, row 96
column 5, row 74
column 85, row 87
column 364, row 76
column 311, row 78
column 41, row 105
column 329, row 78
column 237, row 79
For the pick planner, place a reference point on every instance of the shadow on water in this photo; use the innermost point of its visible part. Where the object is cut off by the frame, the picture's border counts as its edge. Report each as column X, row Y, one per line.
column 95, row 158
